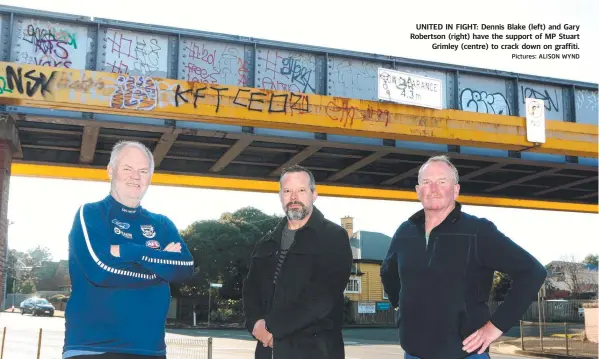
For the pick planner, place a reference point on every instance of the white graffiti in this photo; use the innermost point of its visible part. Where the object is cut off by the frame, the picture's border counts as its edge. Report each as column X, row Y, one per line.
column 134, row 93
column 586, row 99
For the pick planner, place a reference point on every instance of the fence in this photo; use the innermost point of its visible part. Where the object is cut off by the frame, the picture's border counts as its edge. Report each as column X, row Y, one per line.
column 571, row 339
column 18, row 343
column 379, row 317
column 551, row 311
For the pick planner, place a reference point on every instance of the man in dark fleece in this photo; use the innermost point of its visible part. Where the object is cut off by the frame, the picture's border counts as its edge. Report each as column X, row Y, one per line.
column 439, row 272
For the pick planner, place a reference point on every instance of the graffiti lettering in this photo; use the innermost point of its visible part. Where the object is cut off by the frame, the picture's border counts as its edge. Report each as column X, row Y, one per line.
column 134, row 93
column 33, row 82
column 50, row 46
column 218, row 90
column 586, row 99
column 299, row 73
column 283, row 71
column 346, row 114
column 3, row 88
column 243, row 72
column 483, row 102
column 550, row 103
column 83, row 85
column 128, row 52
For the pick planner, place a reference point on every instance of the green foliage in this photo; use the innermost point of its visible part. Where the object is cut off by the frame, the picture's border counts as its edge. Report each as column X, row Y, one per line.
column 592, row 259
column 501, row 285
column 27, row 287
column 222, row 249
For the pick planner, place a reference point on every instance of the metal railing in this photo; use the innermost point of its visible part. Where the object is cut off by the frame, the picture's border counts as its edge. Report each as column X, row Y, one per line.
column 570, row 339
column 47, row 344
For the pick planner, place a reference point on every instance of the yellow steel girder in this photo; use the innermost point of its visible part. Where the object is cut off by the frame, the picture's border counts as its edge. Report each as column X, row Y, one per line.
column 178, row 180
column 100, row 92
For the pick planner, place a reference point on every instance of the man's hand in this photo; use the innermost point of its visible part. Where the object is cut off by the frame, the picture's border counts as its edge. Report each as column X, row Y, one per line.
column 481, row 338
column 115, row 250
column 261, row 333
column 173, row 247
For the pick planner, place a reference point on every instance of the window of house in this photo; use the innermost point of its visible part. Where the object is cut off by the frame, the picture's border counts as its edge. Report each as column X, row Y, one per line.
column 353, row 285
column 385, row 295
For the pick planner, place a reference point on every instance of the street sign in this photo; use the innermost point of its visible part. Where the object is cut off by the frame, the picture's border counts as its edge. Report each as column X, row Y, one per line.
column 410, row 89
column 535, row 120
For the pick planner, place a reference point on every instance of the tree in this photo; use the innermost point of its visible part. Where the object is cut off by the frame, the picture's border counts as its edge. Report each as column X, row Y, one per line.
column 222, row 249
column 592, row 259
column 501, row 286
column 39, row 255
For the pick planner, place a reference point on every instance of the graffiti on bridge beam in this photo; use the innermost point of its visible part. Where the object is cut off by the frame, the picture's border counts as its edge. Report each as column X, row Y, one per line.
column 142, row 93
column 258, row 100
column 551, row 104
column 346, row 114
column 134, row 92
column 483, row 102
column 29, row 83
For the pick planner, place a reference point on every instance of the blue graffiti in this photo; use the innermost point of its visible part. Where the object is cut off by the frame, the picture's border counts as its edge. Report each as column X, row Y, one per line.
column 483, row 102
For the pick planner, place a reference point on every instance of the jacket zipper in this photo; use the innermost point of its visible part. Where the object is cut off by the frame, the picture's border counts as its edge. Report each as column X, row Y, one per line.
column 277, row 284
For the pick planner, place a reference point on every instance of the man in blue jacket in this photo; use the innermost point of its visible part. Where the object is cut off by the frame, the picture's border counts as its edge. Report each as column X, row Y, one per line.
column 121, row 261
column 439, row 272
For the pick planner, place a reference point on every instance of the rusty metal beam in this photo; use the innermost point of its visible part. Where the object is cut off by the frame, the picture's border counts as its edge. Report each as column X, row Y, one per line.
column 357, row 165
column 481, row 171
column 401, row 176
column 89, row 139
column 297, row 159
column 165, row 143
column 567, row 185
column 594, row 194
column 231, row 154
column 522, row 179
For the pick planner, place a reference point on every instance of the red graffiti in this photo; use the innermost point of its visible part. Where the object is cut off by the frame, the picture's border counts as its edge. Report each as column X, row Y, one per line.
column 346, row 114
column 243, row 72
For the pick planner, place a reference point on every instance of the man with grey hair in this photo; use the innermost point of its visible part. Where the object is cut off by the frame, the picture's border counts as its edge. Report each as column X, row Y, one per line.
column 121, row 261
column 439, row 271
column 293, row 294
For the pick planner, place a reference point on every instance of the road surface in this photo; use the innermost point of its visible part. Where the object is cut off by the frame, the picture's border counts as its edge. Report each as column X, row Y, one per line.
column 22, row 334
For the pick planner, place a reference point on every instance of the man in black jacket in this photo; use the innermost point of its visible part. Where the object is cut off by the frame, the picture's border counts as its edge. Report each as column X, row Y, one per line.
column 293, row 294
column 439, row 271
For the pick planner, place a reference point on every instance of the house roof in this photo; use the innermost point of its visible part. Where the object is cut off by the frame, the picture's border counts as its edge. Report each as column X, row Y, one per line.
column 370, row 246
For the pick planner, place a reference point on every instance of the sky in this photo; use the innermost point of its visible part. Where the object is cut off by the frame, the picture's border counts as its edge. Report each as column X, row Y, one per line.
column 42, row 210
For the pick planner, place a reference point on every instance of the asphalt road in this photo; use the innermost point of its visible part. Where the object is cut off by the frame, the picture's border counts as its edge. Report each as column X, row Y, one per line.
column 22, row 334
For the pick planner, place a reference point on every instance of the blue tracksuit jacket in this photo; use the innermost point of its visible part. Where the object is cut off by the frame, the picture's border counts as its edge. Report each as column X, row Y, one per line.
column 120, row 304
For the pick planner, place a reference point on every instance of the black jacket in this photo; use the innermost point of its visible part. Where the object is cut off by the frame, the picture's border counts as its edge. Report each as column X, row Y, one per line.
column 304, row 311
column 444, row 287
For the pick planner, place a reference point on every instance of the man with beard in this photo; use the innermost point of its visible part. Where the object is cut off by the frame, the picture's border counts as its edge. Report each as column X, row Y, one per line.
column 293, row 294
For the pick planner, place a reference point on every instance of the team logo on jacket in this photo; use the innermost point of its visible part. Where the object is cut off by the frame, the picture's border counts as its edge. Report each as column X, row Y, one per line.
column 148, row 231
column 120, row 224
column 152, row 243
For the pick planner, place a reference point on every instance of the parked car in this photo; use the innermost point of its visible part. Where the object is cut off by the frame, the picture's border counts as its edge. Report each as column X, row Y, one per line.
column 37, row 306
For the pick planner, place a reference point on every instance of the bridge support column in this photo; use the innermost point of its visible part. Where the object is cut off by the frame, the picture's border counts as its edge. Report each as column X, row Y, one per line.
column 9, row 144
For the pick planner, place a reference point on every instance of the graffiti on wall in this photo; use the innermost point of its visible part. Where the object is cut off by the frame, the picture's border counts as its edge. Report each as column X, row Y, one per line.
column 169, row 97
column 285, row 71
column 213, row 63
column 586, row 100
column 550, row 97
column 353, row 78
column 143, row 93
column 129, row 52
column 44, row 43
column 483, row 102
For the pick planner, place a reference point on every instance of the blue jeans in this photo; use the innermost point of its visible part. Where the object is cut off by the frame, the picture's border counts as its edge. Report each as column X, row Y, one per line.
column 473, row 356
